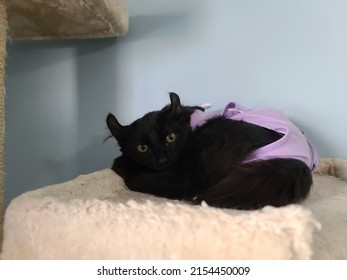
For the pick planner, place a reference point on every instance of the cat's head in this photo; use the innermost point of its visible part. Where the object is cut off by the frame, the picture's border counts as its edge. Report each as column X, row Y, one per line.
column 158, row 140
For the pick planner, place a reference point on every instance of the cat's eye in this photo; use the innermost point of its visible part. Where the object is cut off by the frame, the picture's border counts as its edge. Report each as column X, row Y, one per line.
column 142, row 148
column 171, row 137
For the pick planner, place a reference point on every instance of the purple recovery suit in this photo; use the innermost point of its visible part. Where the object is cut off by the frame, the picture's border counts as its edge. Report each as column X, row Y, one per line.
column 293, row 143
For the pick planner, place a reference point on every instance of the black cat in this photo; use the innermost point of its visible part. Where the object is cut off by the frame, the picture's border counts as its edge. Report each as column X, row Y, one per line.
column 163, row 155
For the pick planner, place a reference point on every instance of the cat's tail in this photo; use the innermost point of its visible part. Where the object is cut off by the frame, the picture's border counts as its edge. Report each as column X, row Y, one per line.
column 275, row 182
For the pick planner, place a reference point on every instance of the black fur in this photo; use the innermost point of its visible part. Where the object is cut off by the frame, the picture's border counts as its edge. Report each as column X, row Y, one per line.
column 206, row 164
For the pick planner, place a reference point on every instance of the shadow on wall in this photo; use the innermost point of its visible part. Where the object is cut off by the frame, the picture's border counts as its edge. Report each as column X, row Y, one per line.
column 96, row 72
column 91, row 157
column 21, row 50
column 48, row 140
column 165, row 26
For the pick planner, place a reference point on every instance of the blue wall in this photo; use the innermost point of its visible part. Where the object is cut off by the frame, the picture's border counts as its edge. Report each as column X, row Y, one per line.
column 291, row 55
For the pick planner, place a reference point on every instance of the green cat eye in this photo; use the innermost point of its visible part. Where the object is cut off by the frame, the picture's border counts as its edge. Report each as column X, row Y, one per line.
column 142, row 148
column 171, row 137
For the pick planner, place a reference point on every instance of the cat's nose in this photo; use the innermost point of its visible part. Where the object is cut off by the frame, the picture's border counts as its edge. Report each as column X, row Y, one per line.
column 163, row 159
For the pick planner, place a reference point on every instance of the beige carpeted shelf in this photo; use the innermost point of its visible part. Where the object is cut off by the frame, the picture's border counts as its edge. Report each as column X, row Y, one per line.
column 95, row 217
column 57, row 19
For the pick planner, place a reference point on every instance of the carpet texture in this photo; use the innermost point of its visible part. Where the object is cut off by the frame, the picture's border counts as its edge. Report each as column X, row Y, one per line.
column 53, row 19
column 96, row 217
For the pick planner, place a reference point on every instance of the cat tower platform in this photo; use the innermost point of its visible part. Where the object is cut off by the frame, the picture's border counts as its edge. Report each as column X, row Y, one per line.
column 64, row 19
column 96, row 217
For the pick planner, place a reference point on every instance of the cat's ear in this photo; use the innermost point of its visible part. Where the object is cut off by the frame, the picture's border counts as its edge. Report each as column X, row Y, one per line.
column 116, row 129
column 175, row 106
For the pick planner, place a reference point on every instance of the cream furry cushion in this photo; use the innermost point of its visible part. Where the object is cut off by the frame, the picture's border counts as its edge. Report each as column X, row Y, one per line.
column 96, row 217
